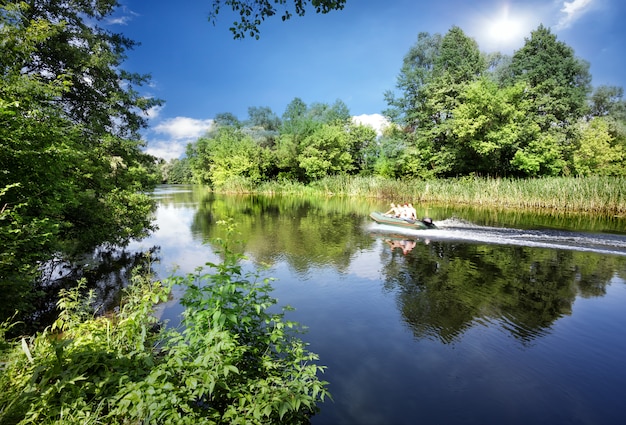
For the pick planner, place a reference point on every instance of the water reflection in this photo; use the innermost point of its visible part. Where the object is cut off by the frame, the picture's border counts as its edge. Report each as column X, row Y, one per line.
column 442, row 287
column 471, row 323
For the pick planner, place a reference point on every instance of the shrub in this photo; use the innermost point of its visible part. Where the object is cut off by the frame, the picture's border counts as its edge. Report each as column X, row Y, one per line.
column 231, row 361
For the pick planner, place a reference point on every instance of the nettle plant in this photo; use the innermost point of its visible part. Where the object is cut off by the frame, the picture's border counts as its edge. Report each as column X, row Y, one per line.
column 231, row 361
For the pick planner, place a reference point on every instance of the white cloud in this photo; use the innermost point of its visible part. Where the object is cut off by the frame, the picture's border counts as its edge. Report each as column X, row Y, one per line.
column 376, row 121
column 183, row 127
column 178, row 133
column 153, row 112
column 572, row 11
column 166, row 149
column 121, row 20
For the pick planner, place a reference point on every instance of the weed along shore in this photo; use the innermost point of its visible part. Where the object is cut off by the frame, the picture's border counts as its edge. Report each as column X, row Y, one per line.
column 596, row 195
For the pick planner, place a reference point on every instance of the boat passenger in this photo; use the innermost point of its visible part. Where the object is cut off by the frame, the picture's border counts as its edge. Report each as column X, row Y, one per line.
column 412, row 212
column 394, row 211
column 404, row 212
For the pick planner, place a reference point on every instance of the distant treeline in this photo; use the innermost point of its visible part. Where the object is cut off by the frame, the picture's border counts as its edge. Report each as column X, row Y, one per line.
column 456, row 111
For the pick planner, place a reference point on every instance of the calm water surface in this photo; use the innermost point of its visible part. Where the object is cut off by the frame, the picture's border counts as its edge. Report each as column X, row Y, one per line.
column 493, row 318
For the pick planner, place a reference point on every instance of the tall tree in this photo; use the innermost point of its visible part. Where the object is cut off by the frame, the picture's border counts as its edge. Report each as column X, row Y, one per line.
column 607, row 102
column 326, row 152
column 73, row 168
column 558, row 84
column 263, row 125
column 226, row 154
column 558, row 81
column 408, row 109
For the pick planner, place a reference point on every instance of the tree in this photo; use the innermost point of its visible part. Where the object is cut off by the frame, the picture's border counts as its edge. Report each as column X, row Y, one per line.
column 226, row 119
column 558, row 85
column 408, row 110
column 558, row 81
column 326, row 152
column 337, row 113
column 263, row 125
column 253, row 12
column 73, row 169
column 490, row 125
column 226, row 154
column 362, row 147
column 607, row 102
column 597, row 153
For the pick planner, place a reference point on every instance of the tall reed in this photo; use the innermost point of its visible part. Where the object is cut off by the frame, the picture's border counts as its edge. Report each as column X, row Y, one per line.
column 596, row 194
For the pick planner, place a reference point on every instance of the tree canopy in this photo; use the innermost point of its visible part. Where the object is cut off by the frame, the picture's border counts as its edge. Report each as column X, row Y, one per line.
column 464, row 112
column 71, row 157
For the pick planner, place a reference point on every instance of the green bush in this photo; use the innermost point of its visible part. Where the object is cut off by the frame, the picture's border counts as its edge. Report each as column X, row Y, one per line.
column 231, row 361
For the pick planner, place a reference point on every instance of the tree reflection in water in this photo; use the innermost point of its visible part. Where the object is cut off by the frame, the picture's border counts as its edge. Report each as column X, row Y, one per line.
column 445, row 288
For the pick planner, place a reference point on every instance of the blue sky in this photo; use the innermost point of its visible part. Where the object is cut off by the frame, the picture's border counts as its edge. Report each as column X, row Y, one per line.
column 353, row 55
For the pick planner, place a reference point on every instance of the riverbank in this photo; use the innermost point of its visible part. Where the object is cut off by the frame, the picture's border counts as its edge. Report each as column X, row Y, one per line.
column 597, row 195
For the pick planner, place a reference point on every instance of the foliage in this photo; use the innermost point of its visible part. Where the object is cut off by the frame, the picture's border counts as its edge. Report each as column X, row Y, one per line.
column 177, row 171
column 597, row 153
column 252, row 13
column 558, row 81
column 604, row 195
column 73, row 171
column 225, row 154
column 232, row 361
column 325, row 152
column 456, row 112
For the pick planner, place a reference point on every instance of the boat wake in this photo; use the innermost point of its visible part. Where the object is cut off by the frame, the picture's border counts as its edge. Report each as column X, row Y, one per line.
column 462, row 231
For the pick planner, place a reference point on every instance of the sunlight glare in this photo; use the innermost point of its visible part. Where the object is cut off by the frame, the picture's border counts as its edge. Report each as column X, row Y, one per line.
column 504, row 30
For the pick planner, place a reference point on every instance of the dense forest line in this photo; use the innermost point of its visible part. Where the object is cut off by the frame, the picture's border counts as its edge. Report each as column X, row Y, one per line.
column 456, row 111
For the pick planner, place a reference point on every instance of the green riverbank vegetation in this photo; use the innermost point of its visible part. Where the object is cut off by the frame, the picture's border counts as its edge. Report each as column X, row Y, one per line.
column 230, row 361
column 463, row 126
column 602, row 195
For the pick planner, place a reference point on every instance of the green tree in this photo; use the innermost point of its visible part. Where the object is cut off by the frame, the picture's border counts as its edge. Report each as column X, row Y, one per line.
column 337, row 113
column 458, row 64
column 558, row 85
column 227, row 119
column 176, row 171
column 491, row 124
column 597, row 153
column 73, row 168
column 252, row 13
column 362, row 147
column 263, row 125
column 558, row 81
column 297, row 125
column 408, row 109
column 326, row 152
column 226, row 154
column 607, row 102
column 434, row 74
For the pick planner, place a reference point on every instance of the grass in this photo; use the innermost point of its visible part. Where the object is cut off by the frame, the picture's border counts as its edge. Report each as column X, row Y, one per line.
column 598, row 195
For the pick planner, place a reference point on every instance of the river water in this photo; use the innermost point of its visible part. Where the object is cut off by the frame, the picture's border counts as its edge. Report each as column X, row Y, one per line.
column 495, row 317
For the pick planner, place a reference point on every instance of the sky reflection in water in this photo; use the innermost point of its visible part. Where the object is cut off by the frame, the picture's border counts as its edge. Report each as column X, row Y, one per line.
column 455, row 330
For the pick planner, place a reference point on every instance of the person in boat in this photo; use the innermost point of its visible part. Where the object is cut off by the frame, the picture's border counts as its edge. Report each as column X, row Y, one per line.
column 404, row 211
column 394, row 211
column 412, row 212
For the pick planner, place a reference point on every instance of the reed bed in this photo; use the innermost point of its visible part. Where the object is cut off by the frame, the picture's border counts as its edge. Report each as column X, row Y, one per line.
column 599, row 195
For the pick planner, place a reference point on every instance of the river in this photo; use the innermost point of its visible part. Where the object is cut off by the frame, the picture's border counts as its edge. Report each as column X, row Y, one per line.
column 495, row 317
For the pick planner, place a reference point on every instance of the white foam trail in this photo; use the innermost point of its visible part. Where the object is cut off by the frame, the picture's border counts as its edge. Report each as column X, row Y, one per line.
column 458, row 230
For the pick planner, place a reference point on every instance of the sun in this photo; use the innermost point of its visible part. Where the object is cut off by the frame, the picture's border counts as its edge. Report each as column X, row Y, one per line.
column 504, row 30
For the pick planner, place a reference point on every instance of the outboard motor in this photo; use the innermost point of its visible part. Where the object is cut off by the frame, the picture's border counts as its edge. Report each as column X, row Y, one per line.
column 428, row 222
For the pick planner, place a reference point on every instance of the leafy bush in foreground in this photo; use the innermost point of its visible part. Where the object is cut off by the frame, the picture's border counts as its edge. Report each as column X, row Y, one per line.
column 232, row 361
